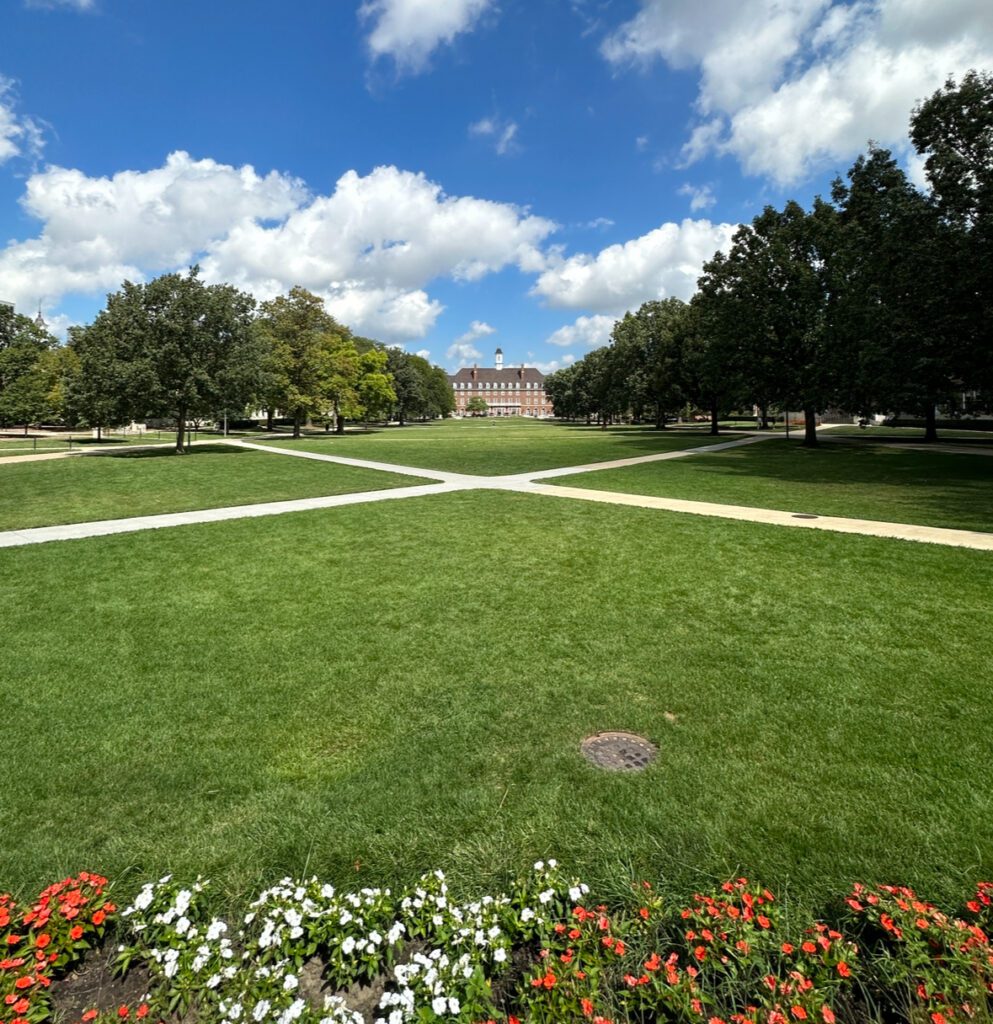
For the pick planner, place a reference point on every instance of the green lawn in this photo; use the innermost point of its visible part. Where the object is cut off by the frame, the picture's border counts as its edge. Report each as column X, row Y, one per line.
column 862, row 481
column 367, row 692
column 496, row 447
column 138, row 483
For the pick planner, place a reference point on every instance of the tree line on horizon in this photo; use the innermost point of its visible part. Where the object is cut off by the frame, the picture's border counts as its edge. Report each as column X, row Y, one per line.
column 878, row 300
column 178, row 349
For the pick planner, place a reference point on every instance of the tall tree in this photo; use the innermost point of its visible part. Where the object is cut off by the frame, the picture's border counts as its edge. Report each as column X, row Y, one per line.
column 179, row 339
column 771, row 291
column 953, row 131
column 891, row 279
column 304, row 355
column 25, row 377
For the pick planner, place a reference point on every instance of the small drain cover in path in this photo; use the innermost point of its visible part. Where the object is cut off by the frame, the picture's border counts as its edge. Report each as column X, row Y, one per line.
column 804, row 515
column 618, row 751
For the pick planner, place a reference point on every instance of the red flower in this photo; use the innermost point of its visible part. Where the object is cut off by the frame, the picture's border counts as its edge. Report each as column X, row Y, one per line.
column 619, row 948
column 763, row 921
column 938, row 1018
column 98, row 918
column 89, row 1015
column 76, row 932
column 787, row 948
column 123, row 1012
column 25, row 981
column 809, row 947
column 653, row 963
column 43, row 940
column 844, row 970
column 22, row 1006
column 587, row 1007
column 644, row 913
column 700, row 952
column 828, row 1014
column 799, row 1012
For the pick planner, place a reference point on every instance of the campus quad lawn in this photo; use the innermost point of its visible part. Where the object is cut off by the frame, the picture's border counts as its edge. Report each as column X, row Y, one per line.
column 495, row 447
column 365, row 693
column 839, row 478
column 147, row 482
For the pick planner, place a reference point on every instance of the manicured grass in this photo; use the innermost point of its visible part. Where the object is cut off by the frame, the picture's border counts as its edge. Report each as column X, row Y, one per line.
column 366, row 693
column 496, row 447
column 138, row 483
column 862, row 481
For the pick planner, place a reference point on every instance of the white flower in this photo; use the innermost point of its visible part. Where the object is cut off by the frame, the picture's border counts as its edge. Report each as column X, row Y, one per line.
column 539, row 865
column 453, row 1006
column 553, row 863
column 216, row 930
column 348, row 945
column 213, row 981
column 183, row 898
column 375, row 938
column 182, row 926
column 292, row 1011
column 261, row 1009
column 235, row 1012
column 293, row 917
column 500, row 954
column 576, row 893
column 439, row 1004
column 290, row 983
column 546, row 896
column 144, row 899
column 527, row 914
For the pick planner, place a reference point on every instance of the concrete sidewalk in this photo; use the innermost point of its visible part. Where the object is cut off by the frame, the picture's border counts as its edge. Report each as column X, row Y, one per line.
column 522, row 483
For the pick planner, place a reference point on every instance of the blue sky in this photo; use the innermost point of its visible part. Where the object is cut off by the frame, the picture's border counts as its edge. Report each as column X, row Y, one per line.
column 451, row 175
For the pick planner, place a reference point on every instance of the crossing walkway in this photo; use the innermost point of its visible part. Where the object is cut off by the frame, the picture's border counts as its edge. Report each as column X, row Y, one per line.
column 442, row 482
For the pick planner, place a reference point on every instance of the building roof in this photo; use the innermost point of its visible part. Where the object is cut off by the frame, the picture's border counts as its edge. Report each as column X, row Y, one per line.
column 491, row 375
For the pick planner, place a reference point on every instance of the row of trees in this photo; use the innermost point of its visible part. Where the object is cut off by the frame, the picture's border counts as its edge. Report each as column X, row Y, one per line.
column 879, row 300
column 177, row 348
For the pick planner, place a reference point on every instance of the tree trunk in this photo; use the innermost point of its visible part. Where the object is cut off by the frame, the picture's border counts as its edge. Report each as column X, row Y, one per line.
column 763, row 418
column 268, row 419
column 339, row 424
column 296, row 425
column 809, row 427
column 181, row 432
column 401, row 419
column 659, row 418
column 99, row 428
column 715, row 419
column 930, row 423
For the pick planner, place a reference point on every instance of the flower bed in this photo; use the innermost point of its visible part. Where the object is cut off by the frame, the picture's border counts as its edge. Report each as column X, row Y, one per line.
column 541, row 953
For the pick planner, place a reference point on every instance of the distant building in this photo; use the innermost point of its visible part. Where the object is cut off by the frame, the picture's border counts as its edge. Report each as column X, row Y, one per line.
column 511, row 391
column 7, row 305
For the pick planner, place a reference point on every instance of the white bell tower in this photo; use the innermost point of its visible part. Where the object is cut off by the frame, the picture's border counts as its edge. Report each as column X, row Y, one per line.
column 499, row 358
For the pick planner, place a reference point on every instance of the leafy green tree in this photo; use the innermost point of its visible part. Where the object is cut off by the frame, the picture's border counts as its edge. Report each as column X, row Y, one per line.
column 891, row 277
column 375, row 385
column 25, row 377
column 409, row 383
column 711, row 369
column 305, row 349
column 98, row 392
column 953, row 131
column 440, row 397
column 771, row 292
column 650, row 347
column 178, row 339
column 477, row 406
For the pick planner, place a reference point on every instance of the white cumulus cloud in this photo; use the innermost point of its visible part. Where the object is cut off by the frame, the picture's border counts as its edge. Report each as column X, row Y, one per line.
column 662, row 263
column 789, row 86
column 409, row 31
column 590, row 331
column 555, row 364
column 371, row 247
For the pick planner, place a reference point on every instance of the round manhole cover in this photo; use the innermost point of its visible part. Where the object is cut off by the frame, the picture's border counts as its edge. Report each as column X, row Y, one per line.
column 618, row 751
column 804, row 515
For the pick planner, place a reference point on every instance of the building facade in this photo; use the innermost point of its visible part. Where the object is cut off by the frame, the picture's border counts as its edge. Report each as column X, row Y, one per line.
column 507, row 391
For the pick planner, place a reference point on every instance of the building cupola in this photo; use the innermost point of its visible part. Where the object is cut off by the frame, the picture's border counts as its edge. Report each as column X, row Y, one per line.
column 499, row 358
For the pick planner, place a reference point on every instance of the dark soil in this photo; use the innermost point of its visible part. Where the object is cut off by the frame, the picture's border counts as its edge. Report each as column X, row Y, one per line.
column 94, row 985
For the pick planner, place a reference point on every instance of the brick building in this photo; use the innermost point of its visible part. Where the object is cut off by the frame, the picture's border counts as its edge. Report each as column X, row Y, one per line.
column 510, row 391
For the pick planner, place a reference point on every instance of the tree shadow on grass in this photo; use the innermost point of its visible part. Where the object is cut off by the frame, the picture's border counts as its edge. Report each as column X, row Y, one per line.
column 167, row 452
